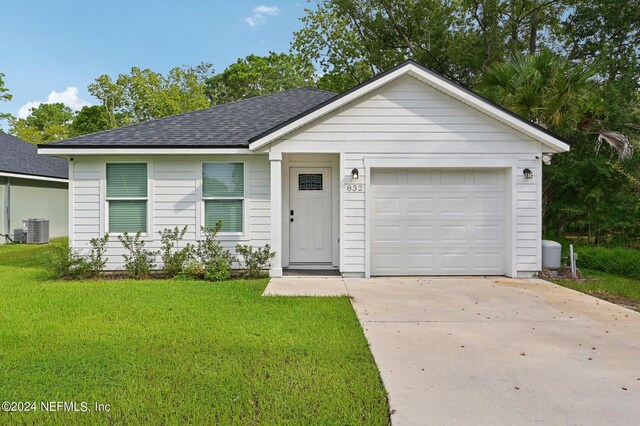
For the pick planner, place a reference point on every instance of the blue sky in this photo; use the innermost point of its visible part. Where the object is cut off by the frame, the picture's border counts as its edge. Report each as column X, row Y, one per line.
column 56, row 46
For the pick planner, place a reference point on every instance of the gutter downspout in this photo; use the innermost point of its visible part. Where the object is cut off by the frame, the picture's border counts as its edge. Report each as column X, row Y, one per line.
column 7, row 198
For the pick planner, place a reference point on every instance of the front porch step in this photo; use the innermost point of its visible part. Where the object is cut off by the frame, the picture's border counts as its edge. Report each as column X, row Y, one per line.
column 289, row 272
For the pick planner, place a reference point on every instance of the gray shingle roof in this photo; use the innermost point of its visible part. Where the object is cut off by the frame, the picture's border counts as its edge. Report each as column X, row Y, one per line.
column 18, row 156
column 225, row 126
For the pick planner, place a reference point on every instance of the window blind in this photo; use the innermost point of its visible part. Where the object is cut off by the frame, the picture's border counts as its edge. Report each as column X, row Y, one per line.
column 230, row 212
column 223, row 180
column 126, row 180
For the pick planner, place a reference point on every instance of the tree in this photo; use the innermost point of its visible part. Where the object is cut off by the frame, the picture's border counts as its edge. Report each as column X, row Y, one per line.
column 5, row 96
column 544, row 88
column 144, row 94
column 46, row 123
column 352, row 40
column 89, row 119
column 588, row 190
column 608, row 31
column 259, row 75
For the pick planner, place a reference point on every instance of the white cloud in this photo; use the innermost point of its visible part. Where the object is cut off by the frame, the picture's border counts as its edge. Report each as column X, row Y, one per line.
column 25, row 110
column 267, row 10
column 254, row 20
column 260, row 14
column 69, row 97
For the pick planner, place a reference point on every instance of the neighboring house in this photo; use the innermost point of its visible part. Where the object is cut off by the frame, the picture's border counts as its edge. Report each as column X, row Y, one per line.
column 31, row 186
column 406, row 174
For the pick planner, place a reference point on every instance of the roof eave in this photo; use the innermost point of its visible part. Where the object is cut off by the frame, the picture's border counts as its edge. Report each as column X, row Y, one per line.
column 33, row 177
column 66, row 151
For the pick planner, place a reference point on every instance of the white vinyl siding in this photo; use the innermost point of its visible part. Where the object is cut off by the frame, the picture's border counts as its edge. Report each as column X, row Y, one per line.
column 174, row 199
column 223, row 196
column 409, row 117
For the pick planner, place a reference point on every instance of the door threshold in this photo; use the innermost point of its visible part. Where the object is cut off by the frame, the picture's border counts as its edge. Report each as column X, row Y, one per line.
column 327, row 266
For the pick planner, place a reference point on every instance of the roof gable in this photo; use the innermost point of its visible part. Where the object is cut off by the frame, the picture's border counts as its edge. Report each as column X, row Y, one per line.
column 553, row 142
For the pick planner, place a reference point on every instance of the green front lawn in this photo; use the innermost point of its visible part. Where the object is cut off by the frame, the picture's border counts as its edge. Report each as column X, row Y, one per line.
column 174, row 352
column 621, row 290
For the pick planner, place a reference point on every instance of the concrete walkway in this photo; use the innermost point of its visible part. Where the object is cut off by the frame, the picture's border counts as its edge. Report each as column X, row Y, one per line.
column 306, row 286
column 495, row 351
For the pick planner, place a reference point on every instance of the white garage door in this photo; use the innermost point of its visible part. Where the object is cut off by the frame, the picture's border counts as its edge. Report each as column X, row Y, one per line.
column 437, row 222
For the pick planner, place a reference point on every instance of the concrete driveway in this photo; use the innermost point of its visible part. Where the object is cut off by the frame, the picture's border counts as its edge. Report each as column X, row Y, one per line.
column 500, row 351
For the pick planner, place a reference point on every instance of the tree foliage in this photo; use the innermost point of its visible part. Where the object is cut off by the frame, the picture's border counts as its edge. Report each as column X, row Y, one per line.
column 588, row 190
column 544, row 88
column 89, row 119
column 5, row 96
column 46, row 123
column 352, row 40
column 144, row 94
column 260, row 75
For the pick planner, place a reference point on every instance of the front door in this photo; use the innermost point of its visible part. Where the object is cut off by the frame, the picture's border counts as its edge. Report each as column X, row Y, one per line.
column 310, row 215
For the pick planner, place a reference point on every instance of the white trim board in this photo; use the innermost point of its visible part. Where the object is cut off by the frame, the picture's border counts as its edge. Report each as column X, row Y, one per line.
column 65, row 152
column 436, row 82
column 33, row 177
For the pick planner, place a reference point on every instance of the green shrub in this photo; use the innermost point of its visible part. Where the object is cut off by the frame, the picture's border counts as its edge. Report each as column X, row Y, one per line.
column 95, row 259
column 216, row 261
column 174, row 259
column 66, row 263
column 613, row 260
column 255, row 260
column 217, row 270
column 192, row 270
column 140, row 261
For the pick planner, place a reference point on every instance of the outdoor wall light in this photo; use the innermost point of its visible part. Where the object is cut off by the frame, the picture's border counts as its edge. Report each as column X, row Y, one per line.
column 528, row 174
column 355, row 174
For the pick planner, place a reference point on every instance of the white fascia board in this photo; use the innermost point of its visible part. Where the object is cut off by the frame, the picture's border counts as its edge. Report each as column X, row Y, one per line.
column 431, row 80
column 34, row 177
column 67, row 152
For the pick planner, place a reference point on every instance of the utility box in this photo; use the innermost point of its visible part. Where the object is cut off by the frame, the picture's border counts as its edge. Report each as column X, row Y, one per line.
column 551, row 255
column 37, row 231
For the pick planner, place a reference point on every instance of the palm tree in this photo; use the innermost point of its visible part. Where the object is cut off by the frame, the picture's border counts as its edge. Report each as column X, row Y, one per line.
column 553, row 93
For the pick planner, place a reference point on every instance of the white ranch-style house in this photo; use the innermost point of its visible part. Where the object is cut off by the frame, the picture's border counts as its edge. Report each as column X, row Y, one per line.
column 406, row 174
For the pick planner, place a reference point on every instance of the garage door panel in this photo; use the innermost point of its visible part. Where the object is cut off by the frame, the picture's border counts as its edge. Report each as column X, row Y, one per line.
column 420, row 233
column 420, row 177
column 386, row 205
column 453, row 233
column 442, row 222
column 454, row 205
column 420, row 205
column 486, row 205
column 454, row 261
column 489, row 233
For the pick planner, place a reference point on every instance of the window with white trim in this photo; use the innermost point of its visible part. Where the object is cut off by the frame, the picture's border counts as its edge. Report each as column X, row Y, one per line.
column 127, row 197
column 223, row 196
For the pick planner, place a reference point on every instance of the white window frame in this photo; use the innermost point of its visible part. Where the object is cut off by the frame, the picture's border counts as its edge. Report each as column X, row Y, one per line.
column 228, row 236
column 107, row 199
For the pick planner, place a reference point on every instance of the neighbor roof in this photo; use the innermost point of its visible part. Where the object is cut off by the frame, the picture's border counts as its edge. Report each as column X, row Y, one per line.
column 20, row 157
column 225, row 126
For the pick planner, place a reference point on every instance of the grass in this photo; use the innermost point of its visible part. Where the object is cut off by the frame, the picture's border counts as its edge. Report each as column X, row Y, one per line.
column 174, row 352
column 621, row 290
column 620, row 261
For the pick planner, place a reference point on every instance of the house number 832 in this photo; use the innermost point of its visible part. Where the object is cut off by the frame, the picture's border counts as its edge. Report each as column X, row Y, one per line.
column 355, row 188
